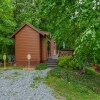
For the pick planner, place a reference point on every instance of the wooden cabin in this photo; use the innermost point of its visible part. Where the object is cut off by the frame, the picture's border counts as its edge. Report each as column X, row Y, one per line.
column 29, row 39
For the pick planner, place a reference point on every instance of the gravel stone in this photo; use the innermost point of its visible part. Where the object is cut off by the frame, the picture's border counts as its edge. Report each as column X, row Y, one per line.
column 17, row 87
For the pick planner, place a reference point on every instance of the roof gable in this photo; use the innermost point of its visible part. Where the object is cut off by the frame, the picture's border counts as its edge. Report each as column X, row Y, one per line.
column 41, row 33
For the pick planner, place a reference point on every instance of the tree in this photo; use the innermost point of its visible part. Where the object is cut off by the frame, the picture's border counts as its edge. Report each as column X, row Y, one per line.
column 69, row 21
column 88, row 43
column 7, row 23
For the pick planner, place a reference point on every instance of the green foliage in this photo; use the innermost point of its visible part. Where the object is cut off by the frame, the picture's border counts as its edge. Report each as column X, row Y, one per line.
column 91, row 71
column 7, row 24
column 88, row 47
column 68, row 24
column 41, row 66
column 67, row 62
column 63, row 61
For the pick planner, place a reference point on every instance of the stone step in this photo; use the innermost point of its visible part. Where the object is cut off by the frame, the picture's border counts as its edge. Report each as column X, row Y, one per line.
column 48, row 63
column 52, row 62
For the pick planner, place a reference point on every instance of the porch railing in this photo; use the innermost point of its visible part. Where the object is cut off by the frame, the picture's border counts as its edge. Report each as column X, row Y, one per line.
column 63, row 53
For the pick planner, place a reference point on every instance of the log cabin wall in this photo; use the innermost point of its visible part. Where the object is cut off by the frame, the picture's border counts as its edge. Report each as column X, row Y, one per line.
column 27, row 40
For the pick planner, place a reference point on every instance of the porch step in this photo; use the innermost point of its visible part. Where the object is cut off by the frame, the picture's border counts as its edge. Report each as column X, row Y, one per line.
column 52, row 62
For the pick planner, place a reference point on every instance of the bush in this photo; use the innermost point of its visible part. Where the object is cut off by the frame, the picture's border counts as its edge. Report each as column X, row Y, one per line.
column 67, row 62
column 41, row 66
column 63, row 61
column 91, row 71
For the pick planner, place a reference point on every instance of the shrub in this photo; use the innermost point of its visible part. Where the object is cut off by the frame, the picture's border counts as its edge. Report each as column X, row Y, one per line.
column 63, row 61
column 41, row 66
column 91, row 71
column 67, row 62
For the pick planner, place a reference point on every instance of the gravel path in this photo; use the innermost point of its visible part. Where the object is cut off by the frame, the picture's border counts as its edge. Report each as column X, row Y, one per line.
column 16, row 85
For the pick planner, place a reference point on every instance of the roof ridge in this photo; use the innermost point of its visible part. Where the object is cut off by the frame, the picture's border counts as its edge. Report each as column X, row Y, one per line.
column 31, row 26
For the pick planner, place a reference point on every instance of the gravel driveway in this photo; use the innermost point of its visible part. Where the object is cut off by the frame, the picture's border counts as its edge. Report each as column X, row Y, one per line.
column 16, row 85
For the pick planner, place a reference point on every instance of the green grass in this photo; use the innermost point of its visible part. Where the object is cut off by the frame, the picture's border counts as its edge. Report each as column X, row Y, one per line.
column 80, row 86
column 11, row 67
column 41, row 66
column 36, row 80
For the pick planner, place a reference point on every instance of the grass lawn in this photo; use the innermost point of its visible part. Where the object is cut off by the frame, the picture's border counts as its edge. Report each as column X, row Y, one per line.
column 37, row 67
column 80, row 86
column 11, row 67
